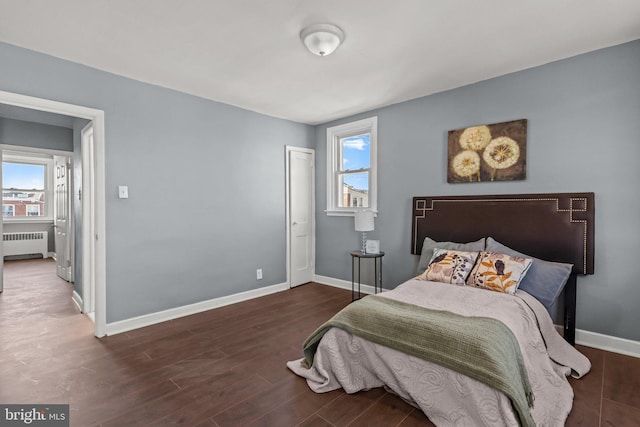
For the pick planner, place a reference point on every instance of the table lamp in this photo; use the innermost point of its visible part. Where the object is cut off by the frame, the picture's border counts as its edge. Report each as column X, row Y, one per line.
column 363, row 222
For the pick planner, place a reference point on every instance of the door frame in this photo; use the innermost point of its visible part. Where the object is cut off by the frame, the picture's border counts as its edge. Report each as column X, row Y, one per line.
column 97, row 219
column 88, row 208
column 288, row 150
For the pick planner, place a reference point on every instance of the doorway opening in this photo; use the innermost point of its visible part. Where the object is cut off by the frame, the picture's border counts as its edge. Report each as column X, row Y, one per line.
column 37, row 203
column 93, row 224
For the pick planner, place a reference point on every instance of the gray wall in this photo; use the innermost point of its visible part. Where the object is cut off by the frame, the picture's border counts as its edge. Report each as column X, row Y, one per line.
column 28, row 134
column 206, row 185
column 583, row 135
column 227, row 166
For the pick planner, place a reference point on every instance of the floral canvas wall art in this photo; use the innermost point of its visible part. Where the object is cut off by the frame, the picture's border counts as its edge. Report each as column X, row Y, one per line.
column 486, row 153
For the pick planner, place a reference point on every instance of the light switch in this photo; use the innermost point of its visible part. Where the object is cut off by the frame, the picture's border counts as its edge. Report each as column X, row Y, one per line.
column 123, row 191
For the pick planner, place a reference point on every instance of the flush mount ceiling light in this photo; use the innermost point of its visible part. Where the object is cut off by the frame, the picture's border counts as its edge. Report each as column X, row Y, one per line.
column 322, row 39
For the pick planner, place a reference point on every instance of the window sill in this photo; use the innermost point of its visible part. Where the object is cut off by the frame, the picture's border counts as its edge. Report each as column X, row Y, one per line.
column 27, row 221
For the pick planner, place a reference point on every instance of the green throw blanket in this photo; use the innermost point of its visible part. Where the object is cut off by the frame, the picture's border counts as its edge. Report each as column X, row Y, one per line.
column 479, row 347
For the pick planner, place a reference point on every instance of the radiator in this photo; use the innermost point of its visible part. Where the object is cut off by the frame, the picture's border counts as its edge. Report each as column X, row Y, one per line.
column 26, row 243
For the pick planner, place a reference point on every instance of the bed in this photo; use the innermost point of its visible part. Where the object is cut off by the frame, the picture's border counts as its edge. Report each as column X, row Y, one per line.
column 463, row 354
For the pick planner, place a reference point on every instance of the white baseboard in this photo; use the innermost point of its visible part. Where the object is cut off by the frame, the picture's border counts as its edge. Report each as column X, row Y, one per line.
column 77, row 300
column 608, row 343
column 79, row 303
column 342, row 284
column 586, row 338
column 186, row 310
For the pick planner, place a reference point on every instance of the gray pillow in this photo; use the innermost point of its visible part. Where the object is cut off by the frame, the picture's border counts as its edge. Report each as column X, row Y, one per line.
column 544, row 280
column 429, row 245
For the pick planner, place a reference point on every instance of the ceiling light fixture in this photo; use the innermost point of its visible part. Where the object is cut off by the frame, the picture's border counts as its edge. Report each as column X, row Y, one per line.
column 322, row 39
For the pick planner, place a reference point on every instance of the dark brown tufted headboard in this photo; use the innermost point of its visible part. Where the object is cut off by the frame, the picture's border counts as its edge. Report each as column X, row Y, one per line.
column 555, row 227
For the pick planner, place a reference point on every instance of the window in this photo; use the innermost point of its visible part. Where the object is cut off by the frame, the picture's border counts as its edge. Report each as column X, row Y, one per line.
column 25, row 187
column 33, row 210
column 352, row 167
column 8, row 210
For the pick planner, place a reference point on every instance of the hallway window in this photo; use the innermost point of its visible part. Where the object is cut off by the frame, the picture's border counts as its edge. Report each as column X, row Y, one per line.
column 25, row 185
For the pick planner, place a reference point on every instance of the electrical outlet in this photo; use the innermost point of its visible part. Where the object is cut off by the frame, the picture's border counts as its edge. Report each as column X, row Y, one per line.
column 259, row 274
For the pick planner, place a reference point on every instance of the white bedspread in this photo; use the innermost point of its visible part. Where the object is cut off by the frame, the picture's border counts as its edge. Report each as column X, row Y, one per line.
column 447, row 397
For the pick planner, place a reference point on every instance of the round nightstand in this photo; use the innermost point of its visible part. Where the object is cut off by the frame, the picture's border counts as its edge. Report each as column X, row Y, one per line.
column 377, row 272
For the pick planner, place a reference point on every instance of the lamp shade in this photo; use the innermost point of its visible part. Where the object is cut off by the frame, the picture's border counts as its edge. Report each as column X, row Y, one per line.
column 363, row 220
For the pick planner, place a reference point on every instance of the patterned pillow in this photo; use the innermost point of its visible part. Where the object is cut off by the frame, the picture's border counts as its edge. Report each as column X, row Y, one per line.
column 545, row 279
column 499, row 272
column 429, row 245
column 449, row 266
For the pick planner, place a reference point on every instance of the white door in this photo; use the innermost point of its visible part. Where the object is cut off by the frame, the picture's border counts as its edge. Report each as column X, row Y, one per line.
column 301, row 215
column 61, row 216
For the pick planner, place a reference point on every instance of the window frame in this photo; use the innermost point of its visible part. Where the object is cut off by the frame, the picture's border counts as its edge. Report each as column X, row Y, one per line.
column 39, row 160
column 334, row 135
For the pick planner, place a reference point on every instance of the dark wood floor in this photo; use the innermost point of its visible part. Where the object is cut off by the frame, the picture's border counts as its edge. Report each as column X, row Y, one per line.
column 219, row 368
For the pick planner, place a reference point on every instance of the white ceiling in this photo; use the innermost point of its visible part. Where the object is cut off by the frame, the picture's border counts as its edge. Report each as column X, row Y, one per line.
column 248, row 53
